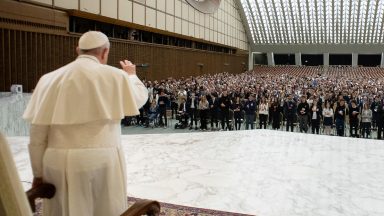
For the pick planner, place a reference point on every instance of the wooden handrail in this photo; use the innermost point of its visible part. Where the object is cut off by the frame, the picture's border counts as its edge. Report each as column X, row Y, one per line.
column 141, row 207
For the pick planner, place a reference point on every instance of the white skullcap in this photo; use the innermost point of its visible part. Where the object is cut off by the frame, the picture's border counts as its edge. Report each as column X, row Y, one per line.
column 92, row 39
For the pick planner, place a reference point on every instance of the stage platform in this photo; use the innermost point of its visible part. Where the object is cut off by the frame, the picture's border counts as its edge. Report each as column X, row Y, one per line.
column 258, row 172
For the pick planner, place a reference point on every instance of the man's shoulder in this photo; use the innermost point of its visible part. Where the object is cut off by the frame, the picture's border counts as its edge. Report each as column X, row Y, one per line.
column 56, row 72
column 112, row 69
column 109, row 72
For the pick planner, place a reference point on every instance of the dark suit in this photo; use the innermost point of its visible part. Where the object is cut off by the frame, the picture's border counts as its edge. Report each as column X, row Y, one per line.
column 214, row 111
column 290, row 113
column 224, row 105
column 315, row 123
column 192, row 111
column 380, row 120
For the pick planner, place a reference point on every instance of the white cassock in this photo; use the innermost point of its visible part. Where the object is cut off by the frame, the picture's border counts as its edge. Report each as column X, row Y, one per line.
column 75, row 115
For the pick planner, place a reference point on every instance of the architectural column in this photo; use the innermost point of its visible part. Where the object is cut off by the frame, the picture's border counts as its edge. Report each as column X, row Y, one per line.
column 354, row 59
column 382, row 60
column 251, row 61
column 271, row 60
column 298, row 59
column 326, row 59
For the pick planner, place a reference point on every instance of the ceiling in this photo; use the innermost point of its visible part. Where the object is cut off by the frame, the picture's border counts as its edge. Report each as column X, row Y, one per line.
column 273, row 22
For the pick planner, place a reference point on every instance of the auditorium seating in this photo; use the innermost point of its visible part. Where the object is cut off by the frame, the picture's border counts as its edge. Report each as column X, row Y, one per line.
column 330, row 71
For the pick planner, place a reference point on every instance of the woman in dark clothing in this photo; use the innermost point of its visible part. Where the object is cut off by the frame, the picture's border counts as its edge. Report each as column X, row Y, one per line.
column 340, row 117
column 162, row 104
column 237, row 113
column 276, row 112
column 353, row 113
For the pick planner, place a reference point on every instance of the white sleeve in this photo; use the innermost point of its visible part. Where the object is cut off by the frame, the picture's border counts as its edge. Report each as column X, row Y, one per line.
column 140, row 92
column 37, row 145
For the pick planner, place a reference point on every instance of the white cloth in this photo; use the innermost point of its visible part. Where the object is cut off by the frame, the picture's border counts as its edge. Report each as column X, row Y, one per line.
column 327, row 112
column 314, row 115
column 85, row 91
column 193, row 103
column 263, row 109
column 81, row 155
column 86, row 164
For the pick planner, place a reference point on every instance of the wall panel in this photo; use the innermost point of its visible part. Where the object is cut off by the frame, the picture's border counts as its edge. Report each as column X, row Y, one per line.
column 178, row 28
column 170, row 5
column 170, row 23
column 184, row 15
column 26, row 56
column 160, row 20
column 90, row 6
column 160, row 5
column 125, row 10
column 191, row 31
column 150, row 18
column 47, row 2
column 137, row 11
column 184, row 27
column 178, row 8
column 109, row 8
column 68, row 4
column 151, row 3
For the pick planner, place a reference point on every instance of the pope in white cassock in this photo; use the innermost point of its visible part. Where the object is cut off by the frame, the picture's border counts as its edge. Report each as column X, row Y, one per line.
column 75, row 114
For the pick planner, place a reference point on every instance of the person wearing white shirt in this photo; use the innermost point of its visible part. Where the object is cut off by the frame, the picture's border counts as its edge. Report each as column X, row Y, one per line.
column 315, row 114
column 75, row 113
column 366, row 118
column 263, row 113
column 328, row 118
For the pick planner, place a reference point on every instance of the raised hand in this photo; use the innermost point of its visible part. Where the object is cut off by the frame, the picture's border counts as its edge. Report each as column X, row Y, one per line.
column 128, row 67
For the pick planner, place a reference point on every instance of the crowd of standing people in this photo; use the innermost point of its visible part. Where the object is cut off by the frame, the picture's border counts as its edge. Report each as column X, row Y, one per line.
column 341, row 101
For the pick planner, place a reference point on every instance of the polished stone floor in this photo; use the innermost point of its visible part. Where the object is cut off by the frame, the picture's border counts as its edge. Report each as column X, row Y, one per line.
column 260, row 172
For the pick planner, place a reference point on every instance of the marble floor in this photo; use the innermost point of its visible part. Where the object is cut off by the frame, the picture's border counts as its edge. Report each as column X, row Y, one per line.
column 259, row 172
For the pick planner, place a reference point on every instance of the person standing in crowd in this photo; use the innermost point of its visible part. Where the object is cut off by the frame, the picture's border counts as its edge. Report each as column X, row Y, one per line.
column 302, row 111
column 315, row 113
column 380, row 120
column 174, row 105
column 340, row 117
column 328, row 118
column 162, row 104
column 192, row 104
column 214, row 111
column 75, row 138
column 152, row 114
column 140, row 118
column 203, row 108
column 276, row 115
column 250, row 110
column 183, row 114
column 263, row 113
column 270, row 106
column 225, row 105
column 237, row 112
column 375, row 114
column 366, row 118
column 353, row 112
column 290, row 112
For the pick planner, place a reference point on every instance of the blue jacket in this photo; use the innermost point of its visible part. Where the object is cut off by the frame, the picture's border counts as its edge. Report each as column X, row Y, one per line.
column 250, row 107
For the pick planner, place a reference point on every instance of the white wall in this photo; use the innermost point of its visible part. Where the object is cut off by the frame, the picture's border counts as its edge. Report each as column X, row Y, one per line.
column 224, row 27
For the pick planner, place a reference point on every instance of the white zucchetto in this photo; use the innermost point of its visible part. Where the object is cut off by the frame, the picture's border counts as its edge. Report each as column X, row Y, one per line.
column 92, row 40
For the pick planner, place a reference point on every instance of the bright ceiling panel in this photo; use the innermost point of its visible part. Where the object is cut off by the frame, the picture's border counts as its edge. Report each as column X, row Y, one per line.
column 315, row 21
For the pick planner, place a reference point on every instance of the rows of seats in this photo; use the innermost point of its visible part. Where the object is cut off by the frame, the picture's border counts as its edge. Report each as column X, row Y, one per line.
column 331, row 71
